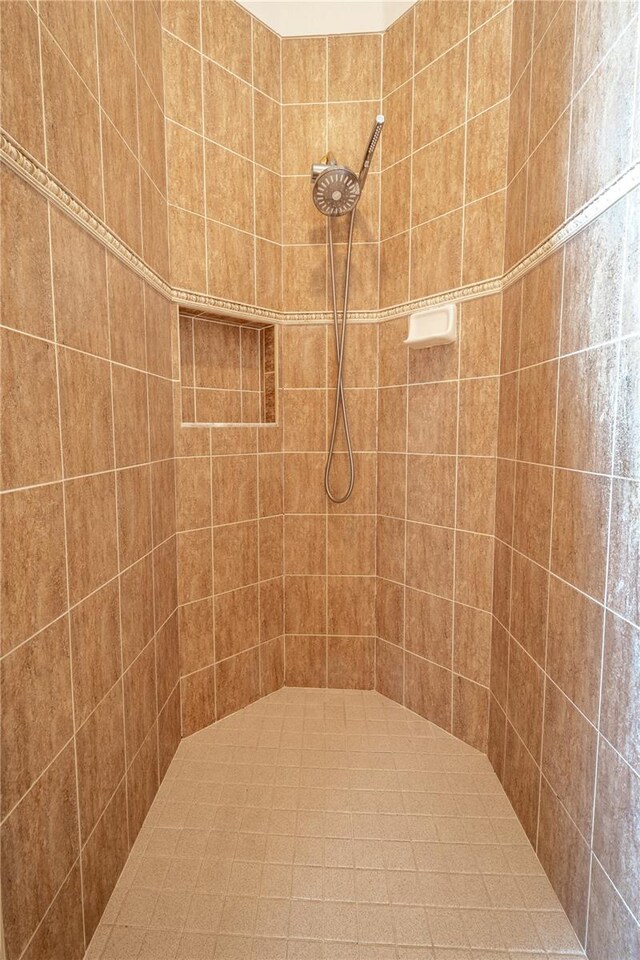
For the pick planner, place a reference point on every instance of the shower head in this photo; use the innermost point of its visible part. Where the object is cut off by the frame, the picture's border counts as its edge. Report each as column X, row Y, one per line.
column 336, row 190
column 373, row 143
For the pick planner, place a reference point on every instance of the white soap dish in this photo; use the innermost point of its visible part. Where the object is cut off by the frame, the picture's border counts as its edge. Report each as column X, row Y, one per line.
column 428, row 328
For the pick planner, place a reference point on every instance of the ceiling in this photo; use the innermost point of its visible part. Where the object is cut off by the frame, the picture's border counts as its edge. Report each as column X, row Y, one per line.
column 297, row 18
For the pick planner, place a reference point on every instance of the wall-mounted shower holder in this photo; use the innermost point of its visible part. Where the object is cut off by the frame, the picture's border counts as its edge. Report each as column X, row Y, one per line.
column 429, row 328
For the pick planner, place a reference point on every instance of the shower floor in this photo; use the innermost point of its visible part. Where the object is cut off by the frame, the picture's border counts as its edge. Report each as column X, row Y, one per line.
column 331, row 824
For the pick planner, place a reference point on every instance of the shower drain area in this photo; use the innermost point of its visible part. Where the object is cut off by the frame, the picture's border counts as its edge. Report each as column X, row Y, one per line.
column 331, row 824
column 227, row 370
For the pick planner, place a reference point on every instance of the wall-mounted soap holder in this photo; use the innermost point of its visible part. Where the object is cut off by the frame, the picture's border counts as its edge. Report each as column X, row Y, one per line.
column 428, row 328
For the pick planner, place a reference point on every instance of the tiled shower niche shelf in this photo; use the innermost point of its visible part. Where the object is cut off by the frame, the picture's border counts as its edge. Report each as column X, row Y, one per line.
column 227, row 371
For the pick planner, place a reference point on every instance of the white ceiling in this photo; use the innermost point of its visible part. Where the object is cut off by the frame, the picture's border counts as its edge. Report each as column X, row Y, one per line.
column 304, row 18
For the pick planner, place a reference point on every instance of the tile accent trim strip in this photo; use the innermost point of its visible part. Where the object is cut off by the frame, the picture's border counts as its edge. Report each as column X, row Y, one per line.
column 34, row 173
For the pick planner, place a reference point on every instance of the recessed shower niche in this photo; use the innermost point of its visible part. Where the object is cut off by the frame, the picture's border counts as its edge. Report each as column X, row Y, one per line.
column 227, row 370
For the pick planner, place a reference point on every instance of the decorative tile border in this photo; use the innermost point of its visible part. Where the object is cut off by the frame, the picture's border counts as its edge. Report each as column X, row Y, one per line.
column 37, row 175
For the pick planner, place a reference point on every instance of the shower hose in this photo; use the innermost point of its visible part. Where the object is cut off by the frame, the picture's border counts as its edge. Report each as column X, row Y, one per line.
column 340, row 331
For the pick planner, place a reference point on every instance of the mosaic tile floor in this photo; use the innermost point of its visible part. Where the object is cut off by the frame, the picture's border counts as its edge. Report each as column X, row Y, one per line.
column 331, row 824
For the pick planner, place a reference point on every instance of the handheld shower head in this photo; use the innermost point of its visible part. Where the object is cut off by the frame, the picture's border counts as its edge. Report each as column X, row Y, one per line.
column 371, row 147
column 336, row 190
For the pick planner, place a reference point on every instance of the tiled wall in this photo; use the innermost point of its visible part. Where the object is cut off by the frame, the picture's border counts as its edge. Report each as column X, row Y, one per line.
column 222, row 85
column 444, row 148
column 89, row 670
column 563, row 736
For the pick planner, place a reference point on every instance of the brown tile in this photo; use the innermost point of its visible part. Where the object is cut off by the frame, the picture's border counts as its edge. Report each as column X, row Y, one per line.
column 390, row 548
column 389, row 671
column 304, row 134
column 591, row 311
column 266, row 59
column 271, row 547
column 353, row 66
column 148, row 44
column 187, row 244
column 482, row 255
column 438, row 174
column 167, row 659
column 304, row 67
column 90, row 512
column 392, row 418
column 142, row 783
column 195, row 579
column 183, row 20
column 476, row 489
column 519, row 101
column 270, row 484
column 521, row 782
column 363, row 499
column 226, row 36
column 627, row 454
column 486, row 152
column 430, row 558
column 394, row 276
column 271, row 666
column 391, row 474
column 505, row 483
column 236, row 621
column 73, row 149
column 351, row 546
column 569, row 756
column 193, row 492
column 304, row 420
column 431, row 489
column 439, row 26
column 130, row 412
column 496, row 738
column 126, row 314
column 428, row 690
column 439, row 97
column 575, row 645
column 397, row 111
column 39, row 847
column 185, row 168
column 196, row 635
column 61, row 929
column 161, row 438
column 163, row 500
column 489, row 66
column 85, row 413
column 164, row 580
column 580, row 511
column 134, row 514
column 95, row 648
column 502, row 559
column 103, row 858
column 267, row 116
column 537, row 389
column 526, row 687
column 305, row 599
column 541, row 306
column 547, row 171
column 611, row 924
column 30, row 430
column 235, row 556
column 428, row 626
column 169, row 732
column 390, row 611
column 26, row 280
column 216, row 354
column 620, row 716
column 271, row 609
column 472, row 643
column 432, row 418
column 480, row 337
column 305, row 544
column 474, row 569
column 350, row 662
column 478, row 421
column 564, row 856
column 229, row 181
column 601, row 115
column 511, row 326
column 182, row 84
column 21, row 80
column 33, row 564
column 529, row 596
column 351, row 606
column 101, row 759
column 398, row 52
column 624, row 549
column 551, row 75
column 36, row 671
column 305, row 661
column 470, row 713
column 237, row 682
column 122, row 188
column 232, row 275
column 532, row 511
column 140, row 709
column 198, row 700
column 515, row 219
column 499, row 663
column 117, row 72
column 234, row 488
column 586, row 398
column 305, row 277
column 439, row 243
column 507, row 420
column 159, row 316
column 136, row 600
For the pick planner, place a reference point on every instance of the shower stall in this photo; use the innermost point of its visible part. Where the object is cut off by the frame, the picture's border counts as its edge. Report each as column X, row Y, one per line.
column 314, row 643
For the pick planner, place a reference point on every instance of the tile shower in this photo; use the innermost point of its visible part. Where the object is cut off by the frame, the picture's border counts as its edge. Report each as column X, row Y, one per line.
column 158, row 575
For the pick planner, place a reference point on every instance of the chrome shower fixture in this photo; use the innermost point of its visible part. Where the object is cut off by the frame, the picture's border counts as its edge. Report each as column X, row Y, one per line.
column 337, row 189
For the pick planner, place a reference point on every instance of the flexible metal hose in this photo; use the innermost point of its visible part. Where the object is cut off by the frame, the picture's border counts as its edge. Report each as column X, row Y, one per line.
column 340, row 338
